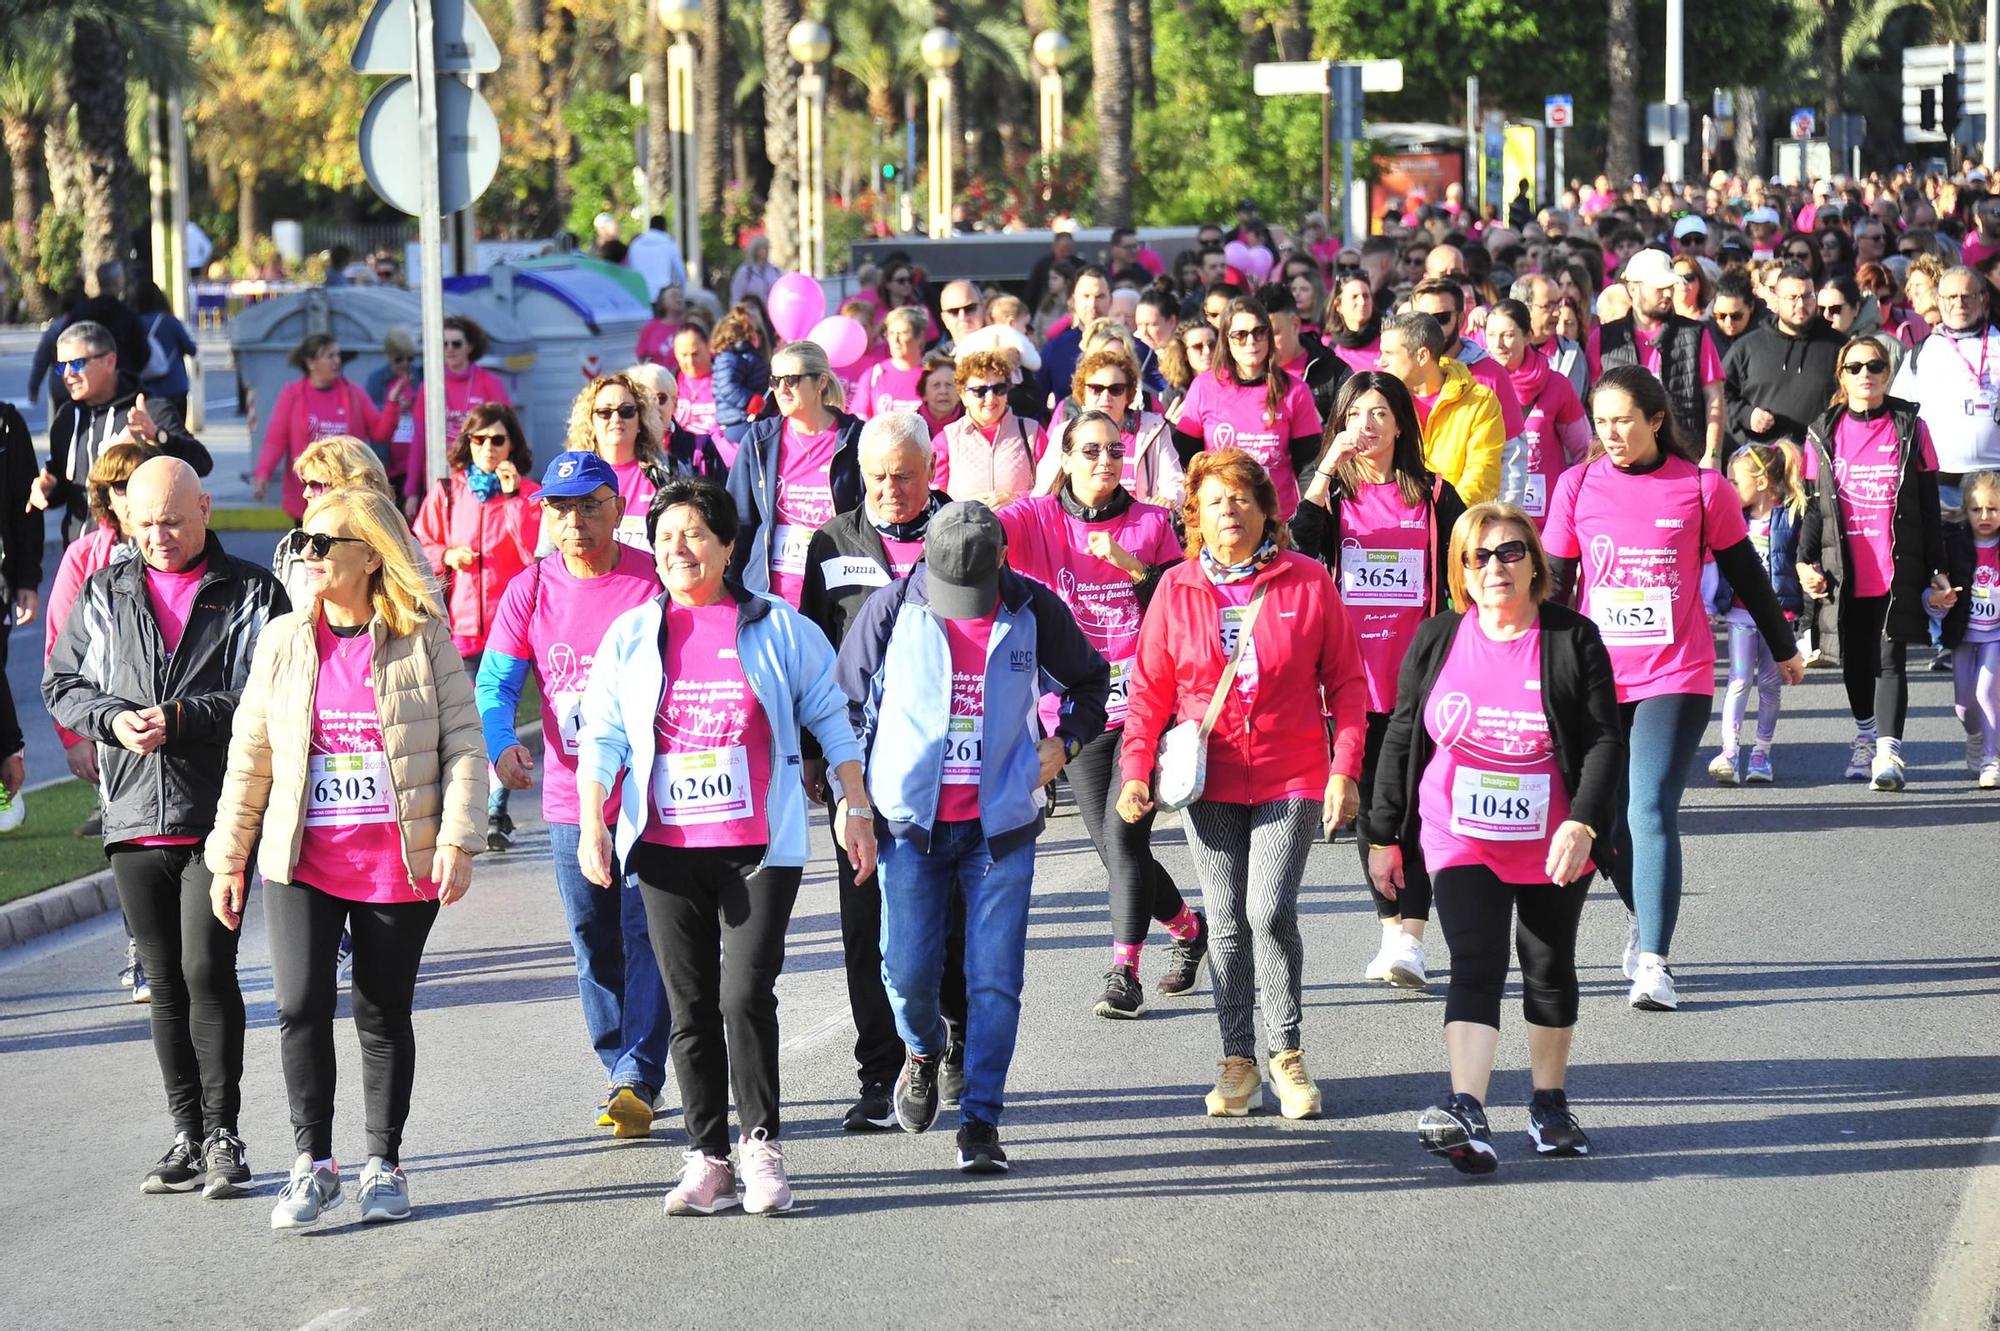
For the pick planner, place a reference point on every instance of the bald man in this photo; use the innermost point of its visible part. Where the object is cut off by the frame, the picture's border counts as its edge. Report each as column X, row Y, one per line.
column 147, row 670
column 964, row 311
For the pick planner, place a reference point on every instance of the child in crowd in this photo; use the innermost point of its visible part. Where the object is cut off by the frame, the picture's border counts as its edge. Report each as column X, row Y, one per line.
column 1770, row 484
column 1971, row 627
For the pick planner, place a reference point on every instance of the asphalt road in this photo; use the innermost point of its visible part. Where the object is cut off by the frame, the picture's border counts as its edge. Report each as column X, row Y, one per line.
column 1799, row 1146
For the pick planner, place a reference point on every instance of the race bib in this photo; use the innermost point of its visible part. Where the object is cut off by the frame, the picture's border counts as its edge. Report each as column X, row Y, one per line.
column 703, row 786
column 1535, row 496
column 964, row 746
column 632, row 532
column 1985, row 608
column 569, row 719
column 1246, row 664
column 348, row 789
column 406, row 428
column 788, row 548
column 1633, row 616
column 1121, row 685
column 1499, row 806
column 1382, row 577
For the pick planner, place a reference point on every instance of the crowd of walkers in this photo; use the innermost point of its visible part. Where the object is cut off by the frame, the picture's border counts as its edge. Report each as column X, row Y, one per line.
column 1426, row 539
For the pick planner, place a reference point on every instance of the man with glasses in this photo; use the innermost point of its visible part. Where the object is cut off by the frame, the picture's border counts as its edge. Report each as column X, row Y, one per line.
column 1674, row 349
column 1691, row 236
column 1544, row 301
column 550, row 622
column 1871, row 242
column 1954, row 378
column 963, row 310
column 1778, row 378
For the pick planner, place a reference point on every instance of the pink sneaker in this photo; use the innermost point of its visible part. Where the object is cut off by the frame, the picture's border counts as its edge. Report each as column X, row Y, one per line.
column 766, row 1190
column 707, row 1185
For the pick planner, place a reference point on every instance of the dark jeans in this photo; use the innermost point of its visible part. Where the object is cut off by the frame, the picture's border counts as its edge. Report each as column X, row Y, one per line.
column 305, row 925
column 718, row 929
column 190, row 960
column 1661, row 735
column 1414, row 901
column 1141, row 888
column 617, row 979
column 1872, row 666
column 1475, row 909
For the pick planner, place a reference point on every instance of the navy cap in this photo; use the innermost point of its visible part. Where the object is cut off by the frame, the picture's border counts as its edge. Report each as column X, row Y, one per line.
column 964, row 546
column 575, row 474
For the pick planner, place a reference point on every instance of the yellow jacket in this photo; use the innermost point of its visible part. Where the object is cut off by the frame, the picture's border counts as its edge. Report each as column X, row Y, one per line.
column 1465, row 436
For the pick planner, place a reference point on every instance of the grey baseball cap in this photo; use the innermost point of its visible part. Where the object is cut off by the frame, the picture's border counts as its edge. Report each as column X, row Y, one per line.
column 963, row 548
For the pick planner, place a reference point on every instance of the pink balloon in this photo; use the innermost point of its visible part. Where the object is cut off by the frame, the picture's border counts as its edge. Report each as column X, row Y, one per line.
column 1257, row 263
column 797, row 303
column 1237, row 255
column 842, row 339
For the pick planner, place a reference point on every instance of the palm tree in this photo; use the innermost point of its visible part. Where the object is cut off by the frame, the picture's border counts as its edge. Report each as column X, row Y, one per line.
column 712, row 107
column 25, row 91
column 1621, row 62
column 97, row 83
column 781, row 138
column 1111, row 80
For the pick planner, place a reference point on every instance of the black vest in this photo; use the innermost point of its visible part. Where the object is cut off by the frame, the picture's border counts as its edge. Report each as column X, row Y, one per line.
column 1680, row 370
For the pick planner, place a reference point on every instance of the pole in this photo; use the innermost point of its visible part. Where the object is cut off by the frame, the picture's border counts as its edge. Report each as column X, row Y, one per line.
column 812, row 172
column 177, row 170
column 1991, row 56
column 1052, row 130
column 942, row 192
column 687, row 170
column 1562, row 172
column 1671, row 163
column 156, row 191
column 1326, row 150
column 430, row 238
column 1472, row 137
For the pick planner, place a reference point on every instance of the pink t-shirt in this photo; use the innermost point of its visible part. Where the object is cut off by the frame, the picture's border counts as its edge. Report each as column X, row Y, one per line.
column 695, row 411
column 712, row 739
column 965, row 734
column 1640, row 541
column 1233, row 416
column 1360, row 358
column 1867, row 473
column 1385, row 580
column 351, row 847
column 1553, row 416
column 1984, row 625
column 804, row 504
column 554, row 620
column 1975, row 251
column 1491, row 794
column 1494, row 375
column 903, row 555
column 1050, row 546
column 172, row 598
column 1648, row 346
column 888, row 389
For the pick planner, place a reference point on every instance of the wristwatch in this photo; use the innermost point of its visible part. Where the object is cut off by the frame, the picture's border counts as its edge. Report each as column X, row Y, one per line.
column 1071, row 747
column 860, row 811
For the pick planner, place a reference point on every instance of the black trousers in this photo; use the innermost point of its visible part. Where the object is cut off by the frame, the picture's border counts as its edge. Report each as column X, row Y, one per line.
column 878, row 1049
column 1476, row 910
column 190, row 961
column 1414, row 901
column 718, row 928
column 1141, row 888
column 305, row 926
column 1872, row 666
column 11, row 739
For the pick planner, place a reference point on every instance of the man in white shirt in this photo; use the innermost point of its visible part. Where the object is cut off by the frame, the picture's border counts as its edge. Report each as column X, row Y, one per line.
column 1954, row 378
column 656, row 256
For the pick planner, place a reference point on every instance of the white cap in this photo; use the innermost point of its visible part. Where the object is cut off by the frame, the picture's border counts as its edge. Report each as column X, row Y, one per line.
column 1766, row 216
column 1650, row 268
column 1691, row 225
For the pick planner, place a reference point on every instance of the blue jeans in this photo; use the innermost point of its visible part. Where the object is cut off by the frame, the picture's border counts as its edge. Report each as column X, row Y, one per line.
column 624, row 1002
column 917, row 890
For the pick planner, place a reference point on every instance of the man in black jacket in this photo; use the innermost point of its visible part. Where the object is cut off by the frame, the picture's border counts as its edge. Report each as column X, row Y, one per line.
column 1779, row 378
column 1322, row 371
column 105, row 405
column 149, row 667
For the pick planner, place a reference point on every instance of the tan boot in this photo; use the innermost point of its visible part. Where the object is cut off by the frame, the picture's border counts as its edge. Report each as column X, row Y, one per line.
column 1238, row 1089
column 1298, row 1096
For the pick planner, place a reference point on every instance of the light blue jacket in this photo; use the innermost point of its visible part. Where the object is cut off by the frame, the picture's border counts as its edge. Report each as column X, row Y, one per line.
column 789, row 666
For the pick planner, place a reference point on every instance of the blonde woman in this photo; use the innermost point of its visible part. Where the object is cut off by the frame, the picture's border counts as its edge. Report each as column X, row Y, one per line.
column 337, row 462
column 896, row 384
column 358, row 774
column 619, row 418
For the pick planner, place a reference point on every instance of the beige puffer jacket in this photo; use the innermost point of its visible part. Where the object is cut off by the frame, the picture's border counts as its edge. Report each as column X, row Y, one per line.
column 430, row 729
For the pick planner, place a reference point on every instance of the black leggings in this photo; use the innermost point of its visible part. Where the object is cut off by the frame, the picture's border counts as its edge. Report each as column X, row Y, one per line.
column 718, row 929
column 1414, row 901
column 1872, row 665
column 1474, row 910
column 305, row 925
column 190, row 960
column 1141, row 888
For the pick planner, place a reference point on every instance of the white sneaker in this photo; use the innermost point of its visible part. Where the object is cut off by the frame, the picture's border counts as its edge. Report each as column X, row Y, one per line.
column 1886, row 774
column 1631, row 962
column 1378, row 969
column 766, row 1188
column 1860, row 759
column 1653, row 988
column 1989, row 776
column 13, row 810
column 1722, row 769
column 1406, row 963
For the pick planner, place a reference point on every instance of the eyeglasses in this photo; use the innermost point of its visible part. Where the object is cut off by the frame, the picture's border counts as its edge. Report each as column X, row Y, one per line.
column 1508, row 552
column 1908, row 252
column 788, row 382
column 1118, row 389
column 1245, row 336
column 1865, row 367
column 984, row 390
column 1803, row 255
column 574, row 508
column 454, row 344
column 624, row 411
column 1092, row 452
column 318, row 545
column 78, row 365
column 493, row 438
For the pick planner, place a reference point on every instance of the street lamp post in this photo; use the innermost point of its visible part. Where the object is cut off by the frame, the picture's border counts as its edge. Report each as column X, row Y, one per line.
column 810, row 44
column 940, row 52
column 682, row 17
column 1051, row 50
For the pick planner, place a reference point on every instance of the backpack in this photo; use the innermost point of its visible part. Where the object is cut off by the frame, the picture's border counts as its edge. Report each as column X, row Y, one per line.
column 158, row 362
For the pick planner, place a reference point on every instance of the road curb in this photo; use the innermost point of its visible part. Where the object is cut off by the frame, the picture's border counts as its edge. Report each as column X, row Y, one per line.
column 58, row 907
column 1965, row 1284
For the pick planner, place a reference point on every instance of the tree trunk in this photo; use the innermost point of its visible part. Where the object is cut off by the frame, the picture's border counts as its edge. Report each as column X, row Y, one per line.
column 712, row 109
column 59, row 144
column 1139, row 14
column 1750, row 131
column 1111, row 88
column 1621, row 61
column 1832, row 35
column 97, row 74
column 659, row 149
column 23, row 136
column 781, row 133
column 1293, row 31
column 562, row 146
column 246, row 206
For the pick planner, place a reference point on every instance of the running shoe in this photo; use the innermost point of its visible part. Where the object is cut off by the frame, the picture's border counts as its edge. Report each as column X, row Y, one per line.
column 1298, row 1094
column 227, row 1168
column 1552, row 1128
column 1123, row 999
column 1860, row 759
column 1238, row 1089
column 1378, row 967
column 604, row 1119
column 1989, row 776
column 142, row 988
column 707, row 1185
column 979, row 1148
column 1886, row 775
column 1184, row 959
column 916, row 1097
column 951, row 1075
column 1653, row 988
column 343, row 956
column 309, row 1194
column 179, row 1170
column 91, row 828
column 1941, row 661
column 1631, row 962
column 872, row 1112
column 1406, row 967
column 129, row 976
column 384, row 1193
column 499, row 832
column 13, row 809
column 631, row 1111
column 1723, row 769
column 1457, row 1130
column 1757, row 772
column 766, row 1189
column 1975, row 751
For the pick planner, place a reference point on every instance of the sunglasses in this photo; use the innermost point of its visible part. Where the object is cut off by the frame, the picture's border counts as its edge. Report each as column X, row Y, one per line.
column 984, row 390
column 624, row 411
column 78, row 365
column 318, row 545
column 310, row 489
column 1805, row 255
column 1508, row 552
column 789, row 382
column 1865, row 367
column 1245, row 336
column 959, row 311
column 494, row 438
column 1118, row 389
column 1726, row 317
column 1910, row 253
column 454, row 344
column 1833, row 307
column 1092, row 452
column 1200, row 344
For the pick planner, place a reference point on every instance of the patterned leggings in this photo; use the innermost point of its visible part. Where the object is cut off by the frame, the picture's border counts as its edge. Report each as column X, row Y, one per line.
column 1250, row 858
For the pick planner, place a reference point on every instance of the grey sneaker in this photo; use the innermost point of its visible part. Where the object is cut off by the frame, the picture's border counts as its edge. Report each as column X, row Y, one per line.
column 308, row 1194
column 384, row 1193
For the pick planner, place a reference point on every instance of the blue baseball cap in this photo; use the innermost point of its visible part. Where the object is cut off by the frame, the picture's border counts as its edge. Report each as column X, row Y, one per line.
column 575, row 474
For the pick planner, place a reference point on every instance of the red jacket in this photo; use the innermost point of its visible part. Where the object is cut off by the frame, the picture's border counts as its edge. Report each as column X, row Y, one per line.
column 1308, row 668
column 503, row 531
column 302, row 415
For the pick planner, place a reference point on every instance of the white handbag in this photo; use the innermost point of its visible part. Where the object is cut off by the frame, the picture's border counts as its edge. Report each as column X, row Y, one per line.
column 1183, row 754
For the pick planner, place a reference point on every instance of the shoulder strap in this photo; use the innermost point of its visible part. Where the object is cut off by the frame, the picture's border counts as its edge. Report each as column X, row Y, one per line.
column 1214, row 712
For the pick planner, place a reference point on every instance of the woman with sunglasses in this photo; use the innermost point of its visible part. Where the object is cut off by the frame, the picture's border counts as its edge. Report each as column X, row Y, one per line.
column 1871, row 548
column 989, row 453
column 1186, row 356
column 1353, row 324
column 685, row 453
column 467, row 384
column 1798, row 247
column 1500, row 769
column 795, row 471
column 1250, row 403
column 1836, row 253
column 1693, row 292
column 339, row 463
column 322, row 403
column 1103, row 550
column 1107, row 382
column 620, row 417
column 1629, row 531
column 1379, row 520
column 356, row 772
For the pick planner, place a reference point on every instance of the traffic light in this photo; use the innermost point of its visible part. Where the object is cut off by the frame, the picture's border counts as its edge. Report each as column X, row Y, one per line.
column 1927, row 108
column 888, row 173
column 1954, row 106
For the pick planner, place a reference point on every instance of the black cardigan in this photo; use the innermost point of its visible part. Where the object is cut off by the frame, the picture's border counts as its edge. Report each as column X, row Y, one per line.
column 1316, row 533
column 1579, row 698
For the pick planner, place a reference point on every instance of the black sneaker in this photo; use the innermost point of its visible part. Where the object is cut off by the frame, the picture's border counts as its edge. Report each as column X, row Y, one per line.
column 1123, row 998
column 499, row 832
column 951, row 1076
column 179, row 1170
column 1184, row 963
column 871, row 1113
column 916, row 1097
column 228, row 1169
column 1457, row 1131
column 1552, row 1128
column 979, row 1148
